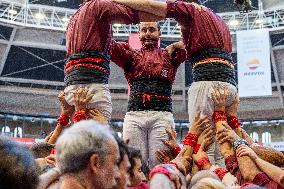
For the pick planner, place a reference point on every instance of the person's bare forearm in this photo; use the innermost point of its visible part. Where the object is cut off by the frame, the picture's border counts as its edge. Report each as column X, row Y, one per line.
column 152, row 7
column 275, row 173
column 247, row 167
column 226, row 147
column 269, row 154
column 57, row 131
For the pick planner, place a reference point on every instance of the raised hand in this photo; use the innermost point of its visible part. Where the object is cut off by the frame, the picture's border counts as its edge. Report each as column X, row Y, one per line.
column 219, row 96
column 81, row 99
column 183, row 161
column 244, row 150
column 172, row 142
column 66, row 109
column 97, row 116
column 226, row 134
column 200, row 123
column 233, row 109
column 164, row 156
column 206, row 137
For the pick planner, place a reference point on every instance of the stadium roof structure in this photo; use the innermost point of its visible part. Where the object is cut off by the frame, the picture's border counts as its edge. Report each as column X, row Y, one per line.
column 22, row 13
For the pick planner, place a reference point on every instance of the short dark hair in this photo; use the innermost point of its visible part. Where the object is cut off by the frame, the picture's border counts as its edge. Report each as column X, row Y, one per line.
column 18, row 169
column 41, row 149
column 123, row 148
column 133, row 153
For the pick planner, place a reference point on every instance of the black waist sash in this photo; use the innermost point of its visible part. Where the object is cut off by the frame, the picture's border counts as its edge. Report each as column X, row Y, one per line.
column 150, row 94
column 86, row 68
column 213, row 71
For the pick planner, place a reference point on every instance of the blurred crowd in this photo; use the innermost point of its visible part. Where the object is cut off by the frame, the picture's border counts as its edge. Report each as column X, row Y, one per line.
column 84, row 152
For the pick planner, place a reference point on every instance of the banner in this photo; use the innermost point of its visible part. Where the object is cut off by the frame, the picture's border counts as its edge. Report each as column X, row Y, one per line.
column 254, row 70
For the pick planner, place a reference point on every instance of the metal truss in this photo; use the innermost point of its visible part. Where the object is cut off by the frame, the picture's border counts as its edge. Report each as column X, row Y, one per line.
column 56, row 18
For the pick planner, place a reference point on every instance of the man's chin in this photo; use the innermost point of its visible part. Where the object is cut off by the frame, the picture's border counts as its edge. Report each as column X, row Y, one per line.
column 149, row 43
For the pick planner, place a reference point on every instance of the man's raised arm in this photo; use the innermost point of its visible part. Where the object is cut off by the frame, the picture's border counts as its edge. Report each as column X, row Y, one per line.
column 152, row 7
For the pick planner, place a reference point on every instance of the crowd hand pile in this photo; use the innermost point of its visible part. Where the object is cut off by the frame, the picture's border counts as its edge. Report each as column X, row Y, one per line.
column 201, row 154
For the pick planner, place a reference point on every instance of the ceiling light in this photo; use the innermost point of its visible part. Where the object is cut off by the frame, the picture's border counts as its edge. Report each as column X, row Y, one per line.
column 117, row 25
column 11, row 11
column 259, row 21
column 65, row 19
column 234, row 22
column 39, row 16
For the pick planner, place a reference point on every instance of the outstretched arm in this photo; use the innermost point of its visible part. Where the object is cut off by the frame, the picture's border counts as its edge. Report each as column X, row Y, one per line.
column 275, row 173
column 247, row 167
column 152, row 7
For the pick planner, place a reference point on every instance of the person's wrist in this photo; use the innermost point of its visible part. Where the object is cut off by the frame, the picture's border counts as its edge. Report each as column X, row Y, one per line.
column 203, row 163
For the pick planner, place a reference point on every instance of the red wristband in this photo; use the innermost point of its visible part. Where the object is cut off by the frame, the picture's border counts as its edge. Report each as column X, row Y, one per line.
column 176, row 151
column 220, row 172
column 196, row 148
column 171, row 163
column 190, row 140
column 219, row 116
column 52, row 151
column 233, row 122
column 202, row 162
column 63, row 120
column 78, row 116
column 160, row 169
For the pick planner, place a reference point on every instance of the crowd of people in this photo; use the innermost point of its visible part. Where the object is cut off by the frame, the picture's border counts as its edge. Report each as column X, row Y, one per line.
column 89, row 154
column 84, row 152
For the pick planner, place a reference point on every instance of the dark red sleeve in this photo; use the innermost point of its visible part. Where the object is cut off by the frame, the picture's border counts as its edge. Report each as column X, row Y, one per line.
column 179, row 56
column 262, row 179
column 116, row 13
column 233, row 167
column 182, row 12
column 121, row 54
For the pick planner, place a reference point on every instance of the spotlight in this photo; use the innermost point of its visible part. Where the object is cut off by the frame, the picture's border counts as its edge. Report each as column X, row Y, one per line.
column 234, row 22
column 39, row 16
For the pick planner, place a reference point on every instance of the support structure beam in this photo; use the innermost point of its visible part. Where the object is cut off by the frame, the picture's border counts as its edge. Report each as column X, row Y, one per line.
column 7, row 49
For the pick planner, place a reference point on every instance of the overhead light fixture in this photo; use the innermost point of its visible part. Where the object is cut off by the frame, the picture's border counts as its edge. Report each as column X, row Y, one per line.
column 234, row 22
column 117, row 25
column 65, row 19
column 39, row 16
column 12, row 11
column 259, row 21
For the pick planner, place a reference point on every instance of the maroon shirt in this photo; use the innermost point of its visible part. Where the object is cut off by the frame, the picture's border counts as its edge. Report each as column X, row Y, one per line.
column 261, row 179
column 202, row 29
column 146, row 63
column 89, row 28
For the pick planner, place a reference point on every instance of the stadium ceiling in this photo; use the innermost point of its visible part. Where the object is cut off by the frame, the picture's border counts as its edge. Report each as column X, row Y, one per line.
column 22, row 13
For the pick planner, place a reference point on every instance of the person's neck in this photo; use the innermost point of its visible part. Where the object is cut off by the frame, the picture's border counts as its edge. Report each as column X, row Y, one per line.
column 149, row 46
column 71, row 181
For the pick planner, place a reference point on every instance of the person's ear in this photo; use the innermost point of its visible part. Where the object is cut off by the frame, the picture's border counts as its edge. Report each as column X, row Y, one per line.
column 94, row 162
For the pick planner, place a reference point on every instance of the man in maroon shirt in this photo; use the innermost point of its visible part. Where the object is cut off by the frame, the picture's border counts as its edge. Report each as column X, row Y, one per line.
column 150, row 73
column 208, row 44
column 88, row 40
